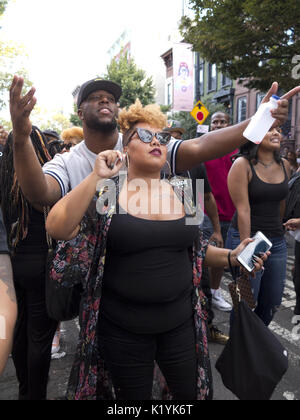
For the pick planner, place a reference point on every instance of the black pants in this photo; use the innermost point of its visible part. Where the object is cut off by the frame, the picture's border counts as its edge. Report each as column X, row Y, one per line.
column 34, row 330
column 130, row 359
column 296, row 277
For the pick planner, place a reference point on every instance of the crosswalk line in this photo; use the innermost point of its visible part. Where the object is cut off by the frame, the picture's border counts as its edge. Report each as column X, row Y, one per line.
column 276, row 328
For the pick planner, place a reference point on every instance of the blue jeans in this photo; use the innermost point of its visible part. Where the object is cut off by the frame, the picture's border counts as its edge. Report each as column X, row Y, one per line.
column 296, row 277
column 268, row 285
column 208, row 229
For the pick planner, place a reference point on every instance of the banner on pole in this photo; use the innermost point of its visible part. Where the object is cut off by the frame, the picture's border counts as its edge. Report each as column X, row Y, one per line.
column 183, row 65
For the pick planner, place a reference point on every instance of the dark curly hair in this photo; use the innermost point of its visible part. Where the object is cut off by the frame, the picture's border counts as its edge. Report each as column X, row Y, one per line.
column 15, row 207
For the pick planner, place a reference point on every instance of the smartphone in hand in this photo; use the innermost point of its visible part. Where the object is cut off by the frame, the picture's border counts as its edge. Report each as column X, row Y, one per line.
column 260, row 244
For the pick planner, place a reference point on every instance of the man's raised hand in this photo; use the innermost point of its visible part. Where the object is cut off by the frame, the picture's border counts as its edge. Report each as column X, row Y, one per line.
column 20, row 109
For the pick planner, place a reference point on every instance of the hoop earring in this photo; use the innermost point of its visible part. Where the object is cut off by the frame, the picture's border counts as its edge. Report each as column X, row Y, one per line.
column 127, row 160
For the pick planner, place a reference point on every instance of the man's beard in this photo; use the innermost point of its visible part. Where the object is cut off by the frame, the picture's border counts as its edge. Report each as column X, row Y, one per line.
column 104, row 127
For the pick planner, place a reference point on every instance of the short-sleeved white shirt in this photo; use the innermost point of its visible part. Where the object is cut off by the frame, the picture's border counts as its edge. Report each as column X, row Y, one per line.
column 69, row 169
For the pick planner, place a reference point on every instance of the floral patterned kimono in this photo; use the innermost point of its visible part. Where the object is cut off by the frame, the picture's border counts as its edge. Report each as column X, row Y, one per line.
column 89, row 378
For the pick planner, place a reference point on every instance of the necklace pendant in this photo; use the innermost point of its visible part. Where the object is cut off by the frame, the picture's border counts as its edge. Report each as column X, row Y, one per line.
column 266, row 165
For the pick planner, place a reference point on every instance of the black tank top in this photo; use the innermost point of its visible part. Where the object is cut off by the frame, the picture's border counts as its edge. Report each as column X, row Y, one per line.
column 147, row 283
column 264, row 200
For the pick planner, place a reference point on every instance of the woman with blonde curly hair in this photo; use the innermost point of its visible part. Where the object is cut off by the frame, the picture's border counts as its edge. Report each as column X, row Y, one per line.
column 143, row 321
column 71, row 137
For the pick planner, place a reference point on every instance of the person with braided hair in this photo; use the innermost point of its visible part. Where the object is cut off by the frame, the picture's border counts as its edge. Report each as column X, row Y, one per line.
column 25, row 226
column 3, row 138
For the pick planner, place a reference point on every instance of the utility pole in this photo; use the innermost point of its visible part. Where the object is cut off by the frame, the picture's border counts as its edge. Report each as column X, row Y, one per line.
column 197, row 81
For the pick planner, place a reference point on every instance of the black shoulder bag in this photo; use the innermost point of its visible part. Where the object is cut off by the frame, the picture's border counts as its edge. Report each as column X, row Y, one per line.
column 253, row 362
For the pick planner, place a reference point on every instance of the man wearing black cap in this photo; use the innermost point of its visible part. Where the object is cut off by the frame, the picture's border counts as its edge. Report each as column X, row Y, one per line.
column 175, row 129
column 54, row 142
column 51, row 135
column 98, row 110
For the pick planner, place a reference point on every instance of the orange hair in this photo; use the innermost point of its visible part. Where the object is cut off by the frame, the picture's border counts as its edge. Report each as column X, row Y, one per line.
column 72, row 133
column 150, row 114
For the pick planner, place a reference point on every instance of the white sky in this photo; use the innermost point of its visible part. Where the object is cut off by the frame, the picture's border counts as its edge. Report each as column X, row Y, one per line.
column 67, row 40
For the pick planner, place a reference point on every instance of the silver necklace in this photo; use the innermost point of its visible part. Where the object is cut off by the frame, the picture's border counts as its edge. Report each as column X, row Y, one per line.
column 266, row 165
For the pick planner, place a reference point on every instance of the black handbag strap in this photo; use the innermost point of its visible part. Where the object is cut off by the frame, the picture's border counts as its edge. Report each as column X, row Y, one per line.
column 235, row 271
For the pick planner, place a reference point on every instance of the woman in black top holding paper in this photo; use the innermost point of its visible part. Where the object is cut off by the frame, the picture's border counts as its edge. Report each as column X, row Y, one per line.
column 258, row 185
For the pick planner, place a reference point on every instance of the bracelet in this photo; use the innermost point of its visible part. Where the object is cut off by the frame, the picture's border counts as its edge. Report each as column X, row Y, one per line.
column 229, row 262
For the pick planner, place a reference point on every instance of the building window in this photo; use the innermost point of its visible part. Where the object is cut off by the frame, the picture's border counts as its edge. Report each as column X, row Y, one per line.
column 212, row 77
column 241, row 109
column 259, row 97
column 225, row 80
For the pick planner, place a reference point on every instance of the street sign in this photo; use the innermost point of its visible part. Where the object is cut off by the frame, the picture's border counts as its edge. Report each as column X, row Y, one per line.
column 200, row 113
column 202, row 129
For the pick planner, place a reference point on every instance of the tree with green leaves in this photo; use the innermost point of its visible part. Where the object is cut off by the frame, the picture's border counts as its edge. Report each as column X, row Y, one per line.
column 9, row 65
column 54, row 120
column 74, row 119
column 3, row 4
column 253, row 39
column 135, row 84
column 10, row 54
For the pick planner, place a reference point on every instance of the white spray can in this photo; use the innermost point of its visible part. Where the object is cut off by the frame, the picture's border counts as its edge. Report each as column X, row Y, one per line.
column 262, row 121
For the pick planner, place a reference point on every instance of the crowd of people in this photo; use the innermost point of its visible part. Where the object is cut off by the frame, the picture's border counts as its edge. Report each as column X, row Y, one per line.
column 156, row 276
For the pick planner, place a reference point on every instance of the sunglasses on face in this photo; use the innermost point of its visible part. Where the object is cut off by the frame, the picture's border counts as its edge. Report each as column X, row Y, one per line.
column 68, row 146
column 146, row 136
